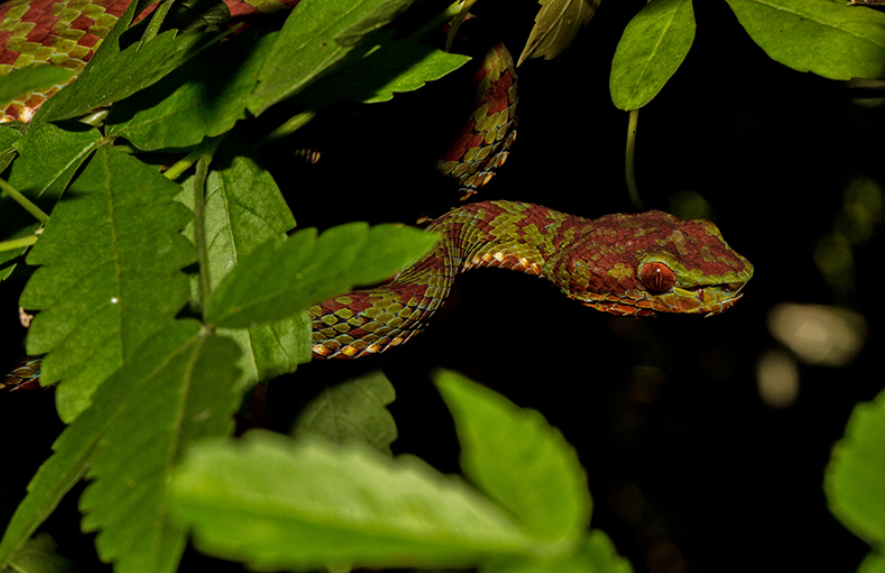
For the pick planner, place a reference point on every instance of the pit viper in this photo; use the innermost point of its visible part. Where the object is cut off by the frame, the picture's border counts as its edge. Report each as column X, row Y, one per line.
column 624, row 264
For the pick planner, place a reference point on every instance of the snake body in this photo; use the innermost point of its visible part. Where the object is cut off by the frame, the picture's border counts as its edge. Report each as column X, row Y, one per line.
column 624, row 264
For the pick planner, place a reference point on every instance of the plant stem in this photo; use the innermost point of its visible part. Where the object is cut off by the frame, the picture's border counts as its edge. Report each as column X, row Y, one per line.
column 204, row 152
column 24, row 201
column 630, row 162
column 14, row 244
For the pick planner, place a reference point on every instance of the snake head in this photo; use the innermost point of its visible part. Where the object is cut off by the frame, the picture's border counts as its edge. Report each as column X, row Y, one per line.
column 649, row 263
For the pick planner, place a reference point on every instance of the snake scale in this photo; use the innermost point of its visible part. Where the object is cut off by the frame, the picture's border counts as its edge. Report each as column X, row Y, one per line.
column 623, row 264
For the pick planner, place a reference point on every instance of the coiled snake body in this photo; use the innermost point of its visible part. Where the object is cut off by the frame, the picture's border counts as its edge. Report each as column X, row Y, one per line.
column 639, row 264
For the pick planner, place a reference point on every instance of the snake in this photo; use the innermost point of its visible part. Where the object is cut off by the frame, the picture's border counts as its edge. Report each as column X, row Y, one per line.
column 639, row 264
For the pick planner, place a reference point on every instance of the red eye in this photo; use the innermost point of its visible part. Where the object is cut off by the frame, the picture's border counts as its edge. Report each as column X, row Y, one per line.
column 657, row 277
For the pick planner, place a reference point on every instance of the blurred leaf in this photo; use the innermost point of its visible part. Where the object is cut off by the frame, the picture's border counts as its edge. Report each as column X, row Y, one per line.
column 317, row 35
column 113, row 74
column 352, row 411
column 277, row 280
column 595, row 555
column 652, row 48
column 829, row 38
column 375, row 73
column 518, row 460
column 38, row 556
column 110, row 256
column 556, row 26
column 874, row 563
column 204, row 97
column 33, row 78
column 854, row 484
column 278, row 504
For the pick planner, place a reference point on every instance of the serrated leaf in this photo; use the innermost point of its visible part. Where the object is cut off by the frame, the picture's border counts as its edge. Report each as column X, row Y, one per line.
column 38, row 556
column 317, row 35
column 279, row 504
column 277, row 280
column 652, row 48
column 156, row 410
column 853, row 482
column 175, row 389
column 32, row 78
column 113, row 74
column 829, row 38
column 595, row 555
column 518, row 460
column 375, row 73
column 48, row 158
column 244, row 209
column 203, row 98
column 352, row 411
column 556, row 26
column 111, row 257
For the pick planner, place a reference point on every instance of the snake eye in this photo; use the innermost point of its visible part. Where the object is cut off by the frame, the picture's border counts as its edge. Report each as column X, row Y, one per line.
column 657, row 277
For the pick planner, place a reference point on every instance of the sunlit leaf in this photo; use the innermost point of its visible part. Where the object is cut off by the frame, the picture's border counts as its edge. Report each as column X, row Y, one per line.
column 278, row 504
column 203, row 98
column 595, row 555
column 514, row 456
column 113, row 74
column 652, row 48
column 831, row 39
column 110, row 277
column 556, row 26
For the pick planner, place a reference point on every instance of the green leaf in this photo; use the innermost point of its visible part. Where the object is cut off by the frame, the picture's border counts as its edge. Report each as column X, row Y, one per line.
column 317, row 35
column 111, row 255
column 375, row 73
column 556, row 26
column 38, row 556
column 278, row 504
column 652, row 48
column 33, row 78
column 277, row 280
column 854, row 484
column 244, row 209
column 596, row 555
column 205, row 97
column 113, row 74
column 352, row 410
column 874, row 563
column 155, row 409
column 829, row 38
column 518, row 460
column 175, row 389
column 50, row 155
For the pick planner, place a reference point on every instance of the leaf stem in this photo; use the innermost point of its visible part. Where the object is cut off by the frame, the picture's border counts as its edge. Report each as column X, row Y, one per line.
column 630, row 160
column 294, row 123
column 153, row 27
column 204, row 152
column 24, row 201
column 14, row 244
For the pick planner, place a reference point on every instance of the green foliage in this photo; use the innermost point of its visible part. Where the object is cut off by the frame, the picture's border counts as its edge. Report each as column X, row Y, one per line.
column 826, row 37
column 651, row 50
column 153, row 332
column 854, row 485
column 307, row 503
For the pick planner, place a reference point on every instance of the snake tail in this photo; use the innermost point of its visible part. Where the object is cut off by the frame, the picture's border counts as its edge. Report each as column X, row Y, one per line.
column 637, row 264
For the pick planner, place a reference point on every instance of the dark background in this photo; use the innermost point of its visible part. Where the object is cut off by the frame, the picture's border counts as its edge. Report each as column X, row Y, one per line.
column 689, row 469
